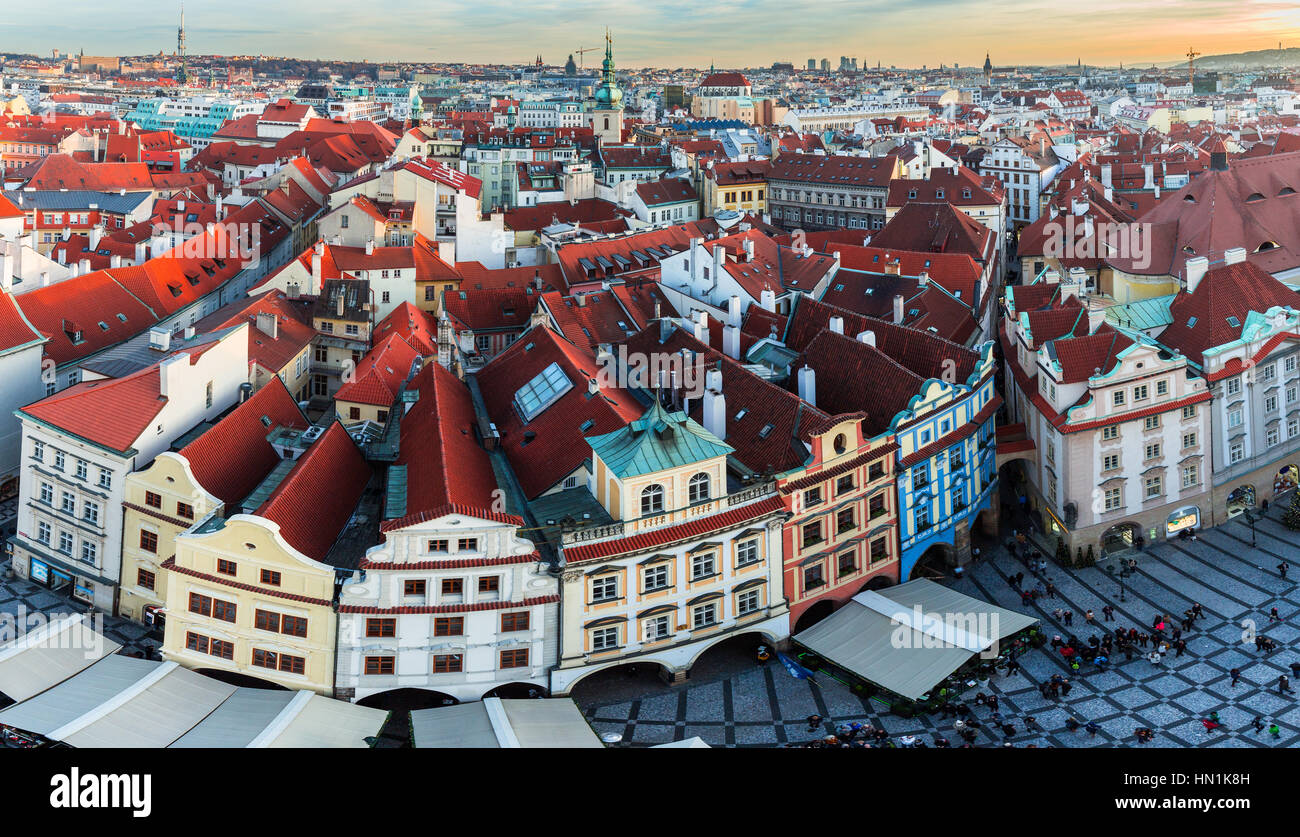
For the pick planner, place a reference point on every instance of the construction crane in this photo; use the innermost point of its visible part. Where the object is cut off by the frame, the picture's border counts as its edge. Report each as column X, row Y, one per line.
column 1191, row 67
column 582, row 52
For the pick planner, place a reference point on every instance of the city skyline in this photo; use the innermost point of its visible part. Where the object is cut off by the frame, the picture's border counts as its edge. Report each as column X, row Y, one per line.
column 679, row 34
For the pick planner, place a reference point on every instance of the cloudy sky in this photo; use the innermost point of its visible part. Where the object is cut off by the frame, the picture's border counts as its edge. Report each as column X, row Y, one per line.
column 668, row 33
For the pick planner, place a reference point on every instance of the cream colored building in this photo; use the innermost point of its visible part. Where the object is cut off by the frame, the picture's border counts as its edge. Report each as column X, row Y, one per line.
column 684, row 565
column 218, row 469
column 253, row 593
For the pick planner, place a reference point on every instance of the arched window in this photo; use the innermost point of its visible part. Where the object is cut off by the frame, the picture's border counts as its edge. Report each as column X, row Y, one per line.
column 652, row 500
column 699, row 488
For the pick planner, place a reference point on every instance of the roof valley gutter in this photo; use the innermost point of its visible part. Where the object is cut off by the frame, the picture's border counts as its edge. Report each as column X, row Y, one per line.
column 501, row 728
column 282, row 721
column 115, row 702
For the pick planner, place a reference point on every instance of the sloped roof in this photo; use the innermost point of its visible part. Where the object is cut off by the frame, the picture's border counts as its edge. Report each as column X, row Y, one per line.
column 379, row 375
column 1200, row 319
column 113, row 412
column 657, row 441
column 233, row 456
column 316, row 499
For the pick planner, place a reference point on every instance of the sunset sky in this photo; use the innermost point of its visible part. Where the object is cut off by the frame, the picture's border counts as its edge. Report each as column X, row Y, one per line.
column 670, row 33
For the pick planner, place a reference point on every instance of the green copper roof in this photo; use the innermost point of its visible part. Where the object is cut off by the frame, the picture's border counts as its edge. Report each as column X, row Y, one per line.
column 657, row 441
column 1142, row 314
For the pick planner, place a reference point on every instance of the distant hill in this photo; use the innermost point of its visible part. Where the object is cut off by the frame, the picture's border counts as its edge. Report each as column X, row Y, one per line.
column 1260, row 58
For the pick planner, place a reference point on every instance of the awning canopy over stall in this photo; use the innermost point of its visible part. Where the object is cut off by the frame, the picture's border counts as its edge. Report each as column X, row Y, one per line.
column 496, row 723
column 908, row 638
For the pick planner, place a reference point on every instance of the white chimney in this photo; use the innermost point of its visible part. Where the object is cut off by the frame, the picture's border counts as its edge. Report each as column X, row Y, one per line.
column 45, row 278
column 1105, row 175
column 837, row 325
column 170, row 373
column 715, row 413
column 6, row 270
column 1195, row 270
column 1236, row 255
column 1149, row 171
column 141, row 252
column 96, row 234
column 749, row 250
column 733, row 311
column 767, row 300
column 731, row 342
column 370, row 247
column 898, row 309
column 719, row 258
column 317, row 281
column 696, row 243
column 84, row 266
column 808, row 385
column 1110, row 194
column 268, row 324
column 115, row 260
column 713, row 379
column 74, row 270
column 868, row 337
column 221, row 213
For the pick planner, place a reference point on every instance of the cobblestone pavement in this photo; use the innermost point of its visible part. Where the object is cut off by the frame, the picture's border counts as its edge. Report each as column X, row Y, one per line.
column 20, row 598
column 1231, row 580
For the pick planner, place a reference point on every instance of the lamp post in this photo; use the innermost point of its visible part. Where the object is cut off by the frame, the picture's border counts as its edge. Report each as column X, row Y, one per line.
column 1249, row 514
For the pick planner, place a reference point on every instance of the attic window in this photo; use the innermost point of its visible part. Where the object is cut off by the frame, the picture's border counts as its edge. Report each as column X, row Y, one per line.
column 1189, row 198
column 266, row 421
column 122, row 317
column 740, row 415
column 1234, row 322
column 1286, row 190
column 839, row 287
column 103, row 325
column 1267, row 245
column 1191, row 322
column 766, row 431
column 1255, row 197
column 586, row 425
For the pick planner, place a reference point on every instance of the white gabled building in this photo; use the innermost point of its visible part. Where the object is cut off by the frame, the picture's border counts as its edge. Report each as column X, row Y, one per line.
column 462, row 604
column 79, row 445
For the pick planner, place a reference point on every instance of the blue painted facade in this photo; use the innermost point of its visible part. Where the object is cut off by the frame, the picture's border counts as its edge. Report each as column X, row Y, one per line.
column 950, row 486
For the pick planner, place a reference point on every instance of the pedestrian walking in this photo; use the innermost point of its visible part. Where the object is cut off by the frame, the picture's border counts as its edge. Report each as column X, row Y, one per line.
column 1179, row 647
column 1092, row 728
column 1065, row 688
column 1284, row 685
column 1197, row 611
column 1072, row 724
column 814, row 721
column 1051, row 590
column 1087, row 617
column 1211, row 723
column 1295, row 669
column 1275, row 731
column 1108, row 613
column 1258, row 724
column 1031, row 723
column 1069, row 618
column 1236, row 675
column 1273, row 616
column 1282, row 568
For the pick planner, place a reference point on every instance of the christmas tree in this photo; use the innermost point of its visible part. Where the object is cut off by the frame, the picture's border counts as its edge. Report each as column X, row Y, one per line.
column 1291, row 517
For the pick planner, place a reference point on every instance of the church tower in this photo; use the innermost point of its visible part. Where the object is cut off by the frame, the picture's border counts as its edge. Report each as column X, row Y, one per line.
column 988, row 70
column 607, row 113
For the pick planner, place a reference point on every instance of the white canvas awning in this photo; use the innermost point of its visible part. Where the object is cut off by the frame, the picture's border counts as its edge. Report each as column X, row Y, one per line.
column 693, row 743
column 154, row 712
column 506, row 724
column 79, row 694
column 908, row 638
column 312, row 721
column 238, row 720
column 49, row 655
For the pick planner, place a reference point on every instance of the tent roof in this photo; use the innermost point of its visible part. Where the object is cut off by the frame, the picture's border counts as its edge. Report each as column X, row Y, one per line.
column 310, row 720
column 160, row 708
column 237, row 721
column 49, row 655
column 507, row 724
column 74, row 697
column 878, row 636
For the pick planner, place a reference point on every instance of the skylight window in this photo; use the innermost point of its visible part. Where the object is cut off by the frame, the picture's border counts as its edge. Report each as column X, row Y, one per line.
column 541, row 392
column 1234, row 322
column 766, row 431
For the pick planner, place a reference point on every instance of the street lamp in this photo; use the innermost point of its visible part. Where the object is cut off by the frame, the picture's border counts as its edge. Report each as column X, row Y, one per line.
column 1118, row 578
column 1249, row 514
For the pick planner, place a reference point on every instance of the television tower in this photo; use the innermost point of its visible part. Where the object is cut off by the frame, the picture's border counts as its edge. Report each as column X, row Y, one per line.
column 181, row 75
column 1191, row 67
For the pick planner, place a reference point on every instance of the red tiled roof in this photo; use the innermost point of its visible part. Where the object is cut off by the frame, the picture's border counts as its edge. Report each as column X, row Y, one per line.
column 1200, row 319
column 418, row 328
column 446, row 469
column 233, row 456
column 113, row 412
column 551, row 446
column 317, row 498
column 15, row 330
column 380, row 374
column 660, row 192
column 833, row 169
